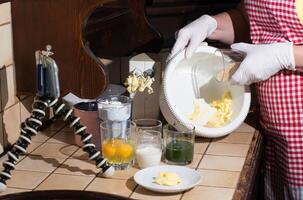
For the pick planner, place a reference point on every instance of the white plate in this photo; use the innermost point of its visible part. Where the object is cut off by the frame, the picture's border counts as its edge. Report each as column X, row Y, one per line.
column 145, row 177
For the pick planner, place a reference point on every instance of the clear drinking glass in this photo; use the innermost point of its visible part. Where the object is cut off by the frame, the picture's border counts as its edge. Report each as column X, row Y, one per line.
column 178, row 146
column 118, row 143
column 115, row 108
column 149, row 148
column 148, row 124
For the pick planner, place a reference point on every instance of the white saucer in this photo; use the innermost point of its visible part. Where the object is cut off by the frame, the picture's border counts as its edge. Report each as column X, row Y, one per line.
column 145, row 177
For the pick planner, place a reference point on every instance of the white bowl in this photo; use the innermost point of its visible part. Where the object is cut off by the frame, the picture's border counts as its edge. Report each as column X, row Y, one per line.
column 178, row 91
column 189, row 178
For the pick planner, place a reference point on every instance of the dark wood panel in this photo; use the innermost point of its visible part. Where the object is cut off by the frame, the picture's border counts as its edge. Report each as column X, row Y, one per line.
column 250, row 185
column 4, row 1
column 168, row 16
column 134, row 34
column 62, row 195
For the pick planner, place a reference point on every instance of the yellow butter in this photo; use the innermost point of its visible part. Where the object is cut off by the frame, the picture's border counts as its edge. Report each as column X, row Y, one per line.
column 215, row 114
column 197, row 112
column 167, row 179
column 224, row 111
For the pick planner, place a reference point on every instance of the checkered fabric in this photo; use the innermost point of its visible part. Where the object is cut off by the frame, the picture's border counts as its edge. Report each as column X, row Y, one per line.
column 281, row 99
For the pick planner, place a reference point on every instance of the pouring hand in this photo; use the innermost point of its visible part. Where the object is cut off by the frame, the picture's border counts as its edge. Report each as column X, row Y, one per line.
column 262, row 61
column 192, row 35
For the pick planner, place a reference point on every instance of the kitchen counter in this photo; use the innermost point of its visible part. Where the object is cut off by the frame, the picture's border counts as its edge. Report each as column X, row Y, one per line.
column 228, row 167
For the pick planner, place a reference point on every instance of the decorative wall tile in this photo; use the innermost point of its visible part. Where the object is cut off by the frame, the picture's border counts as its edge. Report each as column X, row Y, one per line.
column 5, row 10
column 1, row 134
column 111, row 186
column 212, row 193
column 6, row 53
column 224, row 149
column 8, row 87
column 11, row 124
column 222, row 163
column 26, row 107
column 26, row 179
column 68, row 182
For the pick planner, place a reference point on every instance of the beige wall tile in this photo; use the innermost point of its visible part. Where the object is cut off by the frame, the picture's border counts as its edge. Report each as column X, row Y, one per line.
column 67, row 129
column 26, row 179
column 8, row 87
column 201, row 145
column 26, row 107
column 222, row 163
column 13, row 190
column 112, row 186
column 210, row 193
column 64, row 182
column 11, row 124
column 143, row 194
column 6, row 52
column 124, row 174
column 80, row 154
column 2, row 144
column 78, row 167
column 225, row 149
column 236, row 138
column 0, row 93
column 5, row 13
column 33, row 146
column 56, row 126
column 43, row 136
column 39, row 164
column 194, row 164
column 216, row 178
column 63, row 138
column 245, row 128
column 52, row 150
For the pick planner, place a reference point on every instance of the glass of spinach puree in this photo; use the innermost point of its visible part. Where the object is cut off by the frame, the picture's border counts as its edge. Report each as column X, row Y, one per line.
column 178, row 145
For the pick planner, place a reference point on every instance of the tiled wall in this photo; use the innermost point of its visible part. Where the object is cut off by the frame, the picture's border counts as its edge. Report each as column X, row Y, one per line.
column 12, row 109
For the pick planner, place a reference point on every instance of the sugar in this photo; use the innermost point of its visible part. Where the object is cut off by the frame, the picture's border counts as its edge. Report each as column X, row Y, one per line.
column 114, row 111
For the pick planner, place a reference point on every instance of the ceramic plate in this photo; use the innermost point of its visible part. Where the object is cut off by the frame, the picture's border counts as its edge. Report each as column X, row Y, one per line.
column 145, row 177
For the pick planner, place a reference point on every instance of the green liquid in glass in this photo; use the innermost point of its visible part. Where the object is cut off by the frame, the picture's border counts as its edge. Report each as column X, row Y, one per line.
column 179, row 152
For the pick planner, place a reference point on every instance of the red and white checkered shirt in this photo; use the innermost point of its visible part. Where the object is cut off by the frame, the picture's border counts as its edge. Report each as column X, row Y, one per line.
column 281, row 96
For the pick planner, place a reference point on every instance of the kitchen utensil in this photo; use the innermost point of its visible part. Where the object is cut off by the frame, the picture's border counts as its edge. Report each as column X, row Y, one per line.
column 179, row 92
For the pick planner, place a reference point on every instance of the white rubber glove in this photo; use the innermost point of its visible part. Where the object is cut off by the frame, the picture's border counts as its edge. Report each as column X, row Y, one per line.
column 262, row 61
column 193, row 34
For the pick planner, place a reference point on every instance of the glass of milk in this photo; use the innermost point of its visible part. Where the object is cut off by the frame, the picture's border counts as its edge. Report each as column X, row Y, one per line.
column 148, row 148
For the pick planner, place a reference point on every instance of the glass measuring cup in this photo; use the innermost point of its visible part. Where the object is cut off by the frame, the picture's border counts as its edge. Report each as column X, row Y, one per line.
column 217, row 69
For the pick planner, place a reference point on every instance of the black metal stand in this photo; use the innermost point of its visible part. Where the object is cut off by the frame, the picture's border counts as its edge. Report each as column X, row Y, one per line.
column 31, row 127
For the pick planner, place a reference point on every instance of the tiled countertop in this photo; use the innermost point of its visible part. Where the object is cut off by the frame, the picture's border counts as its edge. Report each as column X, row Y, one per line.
column 54, row 163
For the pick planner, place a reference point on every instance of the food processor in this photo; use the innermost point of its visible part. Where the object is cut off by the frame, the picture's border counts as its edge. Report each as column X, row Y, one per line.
column 187, row 80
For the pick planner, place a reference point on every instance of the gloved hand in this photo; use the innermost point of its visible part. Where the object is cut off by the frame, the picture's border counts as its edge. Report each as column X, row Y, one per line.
column 193, row 34
column 262, row 61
